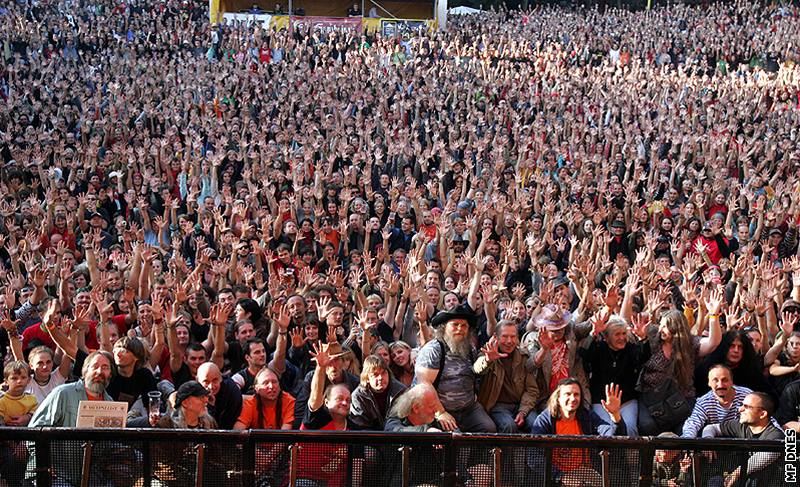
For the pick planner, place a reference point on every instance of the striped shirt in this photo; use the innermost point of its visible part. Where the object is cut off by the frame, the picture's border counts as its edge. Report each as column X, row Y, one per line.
column 708, row 410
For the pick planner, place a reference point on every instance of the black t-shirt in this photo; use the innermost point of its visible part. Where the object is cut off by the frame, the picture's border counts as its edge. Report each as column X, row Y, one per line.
column 235, row 356
column 319, row 419
column 734, row 429
column 181, row 376
column 315, row 420
column 127, row 389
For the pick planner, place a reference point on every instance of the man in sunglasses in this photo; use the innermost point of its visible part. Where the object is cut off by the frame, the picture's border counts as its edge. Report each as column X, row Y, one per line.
column 755, row 423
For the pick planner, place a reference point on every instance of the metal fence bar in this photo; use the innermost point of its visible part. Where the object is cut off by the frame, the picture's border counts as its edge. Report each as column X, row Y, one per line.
column 548, row 467
column 646, row 458
column 248, row 476
column 86, row 470
column 605, row 468
column 695, row 467
column 294, row 457
column 405, row 458
column 147, row 463
column 44, row 474
column 497, row 462
column 450, row 467
column 200, row 448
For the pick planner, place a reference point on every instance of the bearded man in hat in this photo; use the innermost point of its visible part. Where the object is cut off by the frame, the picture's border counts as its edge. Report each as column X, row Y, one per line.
column 446, row 364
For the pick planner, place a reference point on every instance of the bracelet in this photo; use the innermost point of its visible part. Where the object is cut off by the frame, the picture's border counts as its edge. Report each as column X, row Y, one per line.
column 711, row 316
column 283, row 333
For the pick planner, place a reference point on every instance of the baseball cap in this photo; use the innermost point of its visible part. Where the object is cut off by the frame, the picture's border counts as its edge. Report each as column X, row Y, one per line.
column 190, row 389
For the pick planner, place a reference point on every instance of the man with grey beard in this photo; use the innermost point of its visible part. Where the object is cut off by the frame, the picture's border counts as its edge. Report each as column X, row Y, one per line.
column 446, row 364
column 60, row 407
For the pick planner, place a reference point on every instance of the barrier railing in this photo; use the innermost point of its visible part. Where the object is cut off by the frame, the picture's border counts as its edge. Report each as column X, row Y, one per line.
column 99, row 457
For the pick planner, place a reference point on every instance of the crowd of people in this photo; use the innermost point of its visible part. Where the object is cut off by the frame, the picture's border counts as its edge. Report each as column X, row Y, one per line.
column 561, row 221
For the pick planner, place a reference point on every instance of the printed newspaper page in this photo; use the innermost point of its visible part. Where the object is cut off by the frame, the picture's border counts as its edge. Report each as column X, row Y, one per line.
column 102, row 414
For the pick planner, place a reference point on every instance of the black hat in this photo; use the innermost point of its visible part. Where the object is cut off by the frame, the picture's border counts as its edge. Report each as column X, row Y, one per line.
column 458, row 313
column 618, row 224
column 188, row 389
column 776, row 231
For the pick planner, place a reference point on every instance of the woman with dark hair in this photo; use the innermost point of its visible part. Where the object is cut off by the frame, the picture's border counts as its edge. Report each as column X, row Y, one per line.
column 735, row 351
column 670, row 369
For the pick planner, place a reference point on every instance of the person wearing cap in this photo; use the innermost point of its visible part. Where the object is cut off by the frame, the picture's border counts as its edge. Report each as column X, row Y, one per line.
column 780, row 246
column 553, row 354
column 191, row 409
column 620, row 243
column 711, row 244
column 446, row 363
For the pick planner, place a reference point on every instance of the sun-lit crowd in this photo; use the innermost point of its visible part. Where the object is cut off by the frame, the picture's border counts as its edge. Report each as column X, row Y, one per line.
column 560, row 221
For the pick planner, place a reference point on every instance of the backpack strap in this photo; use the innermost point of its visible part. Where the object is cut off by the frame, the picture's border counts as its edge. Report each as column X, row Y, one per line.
column 442, row 356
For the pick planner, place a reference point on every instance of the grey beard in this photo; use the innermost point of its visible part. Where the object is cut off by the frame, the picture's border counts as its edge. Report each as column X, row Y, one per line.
column 96, row 388
column 460, row 348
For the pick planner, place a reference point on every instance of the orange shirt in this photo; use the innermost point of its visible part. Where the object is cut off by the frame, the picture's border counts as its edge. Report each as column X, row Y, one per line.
column 249, row 414
column 566, row 459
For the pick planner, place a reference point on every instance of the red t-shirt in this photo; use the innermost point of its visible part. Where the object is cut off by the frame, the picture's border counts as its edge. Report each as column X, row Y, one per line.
column 567, row 459
column 325, row 462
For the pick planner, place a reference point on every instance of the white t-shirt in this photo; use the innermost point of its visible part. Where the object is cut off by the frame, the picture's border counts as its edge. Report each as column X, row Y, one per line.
column 56, row 379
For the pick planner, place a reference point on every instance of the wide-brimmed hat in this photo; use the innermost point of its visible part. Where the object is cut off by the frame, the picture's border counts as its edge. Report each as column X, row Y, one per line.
column 458, row 313
column 552, row 318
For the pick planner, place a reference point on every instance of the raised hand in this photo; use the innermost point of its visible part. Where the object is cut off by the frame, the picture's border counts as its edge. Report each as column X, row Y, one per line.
column 283, row 318
column 323, row 309
column 613, row 401
column 491, row 350
column 599, row 320
column 297, row 337
column 714, row 302
column 319, row 352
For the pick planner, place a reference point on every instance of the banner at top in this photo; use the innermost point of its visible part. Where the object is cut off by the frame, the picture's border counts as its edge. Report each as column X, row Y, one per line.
column 327, row 25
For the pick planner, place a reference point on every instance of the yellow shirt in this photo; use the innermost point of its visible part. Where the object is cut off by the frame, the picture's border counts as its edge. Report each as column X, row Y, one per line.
column 17, row 406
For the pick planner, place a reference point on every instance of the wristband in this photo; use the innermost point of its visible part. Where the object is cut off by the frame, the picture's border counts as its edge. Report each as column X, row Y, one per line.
column 710, row 316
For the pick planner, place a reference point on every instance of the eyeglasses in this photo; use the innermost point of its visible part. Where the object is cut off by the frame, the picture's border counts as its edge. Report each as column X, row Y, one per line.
column 751, row 407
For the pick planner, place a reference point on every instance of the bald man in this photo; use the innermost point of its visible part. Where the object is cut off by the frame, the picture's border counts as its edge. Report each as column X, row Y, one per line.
column 225, row 401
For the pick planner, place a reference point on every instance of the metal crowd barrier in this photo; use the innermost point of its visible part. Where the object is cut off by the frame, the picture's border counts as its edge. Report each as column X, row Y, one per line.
column 47, row 457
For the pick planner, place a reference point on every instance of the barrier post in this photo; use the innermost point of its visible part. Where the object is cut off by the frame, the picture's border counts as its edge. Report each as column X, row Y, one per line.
column 201, row 458
column 646, row 454
column 497, row 461
column 44, row 472
column 86, row 470
column 605, row 468
column 548, row 467
column 450, row 467
column 405, row 455
column 147, row 463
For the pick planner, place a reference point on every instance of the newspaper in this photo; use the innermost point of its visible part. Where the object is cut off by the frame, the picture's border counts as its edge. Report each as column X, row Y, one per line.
column 102, row 414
